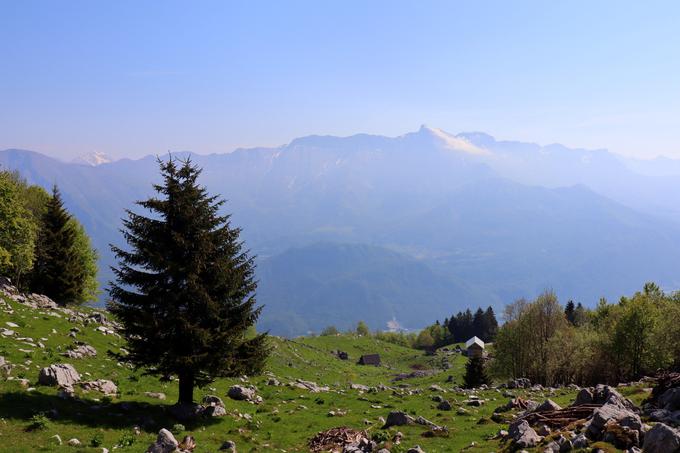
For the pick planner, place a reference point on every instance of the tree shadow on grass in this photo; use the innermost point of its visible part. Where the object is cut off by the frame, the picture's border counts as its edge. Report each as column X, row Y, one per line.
column 19, row 406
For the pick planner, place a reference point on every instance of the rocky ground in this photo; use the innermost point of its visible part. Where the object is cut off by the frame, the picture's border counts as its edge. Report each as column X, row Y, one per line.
column 60, row 390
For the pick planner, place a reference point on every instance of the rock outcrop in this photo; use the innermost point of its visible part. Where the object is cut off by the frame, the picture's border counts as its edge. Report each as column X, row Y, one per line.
column 60, row 375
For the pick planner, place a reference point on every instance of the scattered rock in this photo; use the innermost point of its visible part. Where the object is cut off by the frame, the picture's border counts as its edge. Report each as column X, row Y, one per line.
column 62, row 375
column 242, row 393
column 309, row 385
column 101, row 385
column 519, row 383
column 523, row 435
column 583, row 397
column 415, row 449
column 74, row 442
column 188, row 444
column 229, row 446
column 547, row 406
column 155, row 395
column 165, row 443
column 81, row 351
column 444, row 406
column 398, row 418
column 213, row 406
column 662, row 439
column 611, row 413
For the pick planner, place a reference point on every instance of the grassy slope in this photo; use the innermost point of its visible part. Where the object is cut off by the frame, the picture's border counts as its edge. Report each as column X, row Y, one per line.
column 284, row 422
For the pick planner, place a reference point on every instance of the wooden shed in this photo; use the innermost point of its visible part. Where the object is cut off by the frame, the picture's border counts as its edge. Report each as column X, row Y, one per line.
column 370, row 359
column 474, row 347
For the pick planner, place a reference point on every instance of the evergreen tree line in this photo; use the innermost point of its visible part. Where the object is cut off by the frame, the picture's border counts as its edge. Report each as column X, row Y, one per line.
column 464, row 325
column 614, row 342
column 43, row 248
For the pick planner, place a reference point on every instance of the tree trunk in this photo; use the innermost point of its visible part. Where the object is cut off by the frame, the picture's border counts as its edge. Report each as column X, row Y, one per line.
column 186, row 388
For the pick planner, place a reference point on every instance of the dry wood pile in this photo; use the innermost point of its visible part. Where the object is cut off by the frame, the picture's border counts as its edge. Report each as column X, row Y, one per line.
column 562, row 417
column 335, row 439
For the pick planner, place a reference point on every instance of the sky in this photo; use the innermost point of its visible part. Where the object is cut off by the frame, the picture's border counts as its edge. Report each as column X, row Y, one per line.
column 131, row 78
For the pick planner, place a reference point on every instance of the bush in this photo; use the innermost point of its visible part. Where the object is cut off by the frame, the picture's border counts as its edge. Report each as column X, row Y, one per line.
column 39, row 422
column 329, row 331
column 178, row 428
column 380, row 436
column 126, row 440
column 97, row 440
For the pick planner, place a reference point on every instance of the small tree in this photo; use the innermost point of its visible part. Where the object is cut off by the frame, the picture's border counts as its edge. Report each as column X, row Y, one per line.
column 424, row 340
column 17, row 232
column 475, row 373
column 58, row 271
column 362, row 329
column 329, row 331
column 185, row 291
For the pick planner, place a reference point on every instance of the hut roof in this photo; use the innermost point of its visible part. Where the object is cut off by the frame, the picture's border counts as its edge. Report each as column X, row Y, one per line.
column 475, row 341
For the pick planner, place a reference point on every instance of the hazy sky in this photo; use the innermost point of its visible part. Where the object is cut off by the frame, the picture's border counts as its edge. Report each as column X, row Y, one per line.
column 131, row 78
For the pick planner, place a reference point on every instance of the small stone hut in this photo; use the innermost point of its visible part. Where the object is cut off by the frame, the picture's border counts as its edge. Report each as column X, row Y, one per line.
column 370, row 359
column 474, row 347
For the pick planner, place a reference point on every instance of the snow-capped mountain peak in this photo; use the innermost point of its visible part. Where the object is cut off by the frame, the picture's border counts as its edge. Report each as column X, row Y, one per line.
column 93, row 159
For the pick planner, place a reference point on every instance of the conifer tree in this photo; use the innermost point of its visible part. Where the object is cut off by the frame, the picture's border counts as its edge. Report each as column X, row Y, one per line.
column 569, row 311
column 185, row 289
column 490, row 324
column 475, row 373
column 58, row 271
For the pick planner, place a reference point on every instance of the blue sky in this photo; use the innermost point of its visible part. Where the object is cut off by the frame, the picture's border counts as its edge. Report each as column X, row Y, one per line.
column 131, row 78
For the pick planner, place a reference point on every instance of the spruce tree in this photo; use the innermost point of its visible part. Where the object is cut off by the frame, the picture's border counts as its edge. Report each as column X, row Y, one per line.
column 475, row 373
column 185, row 288
column 58, row 271
column 478, row 324
column 490, row 325
column 569, row 310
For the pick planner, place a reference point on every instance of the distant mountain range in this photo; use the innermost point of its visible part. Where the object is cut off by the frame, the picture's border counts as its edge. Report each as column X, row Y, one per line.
column 412, row 228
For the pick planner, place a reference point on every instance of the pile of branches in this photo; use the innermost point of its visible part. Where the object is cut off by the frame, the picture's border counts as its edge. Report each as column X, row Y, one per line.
column 335, row 439
column 562, row 417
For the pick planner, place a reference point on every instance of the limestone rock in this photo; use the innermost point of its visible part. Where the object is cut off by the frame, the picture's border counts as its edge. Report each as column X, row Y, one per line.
column 548, row 406
column 444, row 406
column 612, row 413
column 229, row 446
column 165, row 443
column 398, row 418
column 662, row 439
column 101, row 385
column 81, row 351
column 523, row 435
column 241, row 393
column 156, row 395
column 670, row 399
column 61, row 375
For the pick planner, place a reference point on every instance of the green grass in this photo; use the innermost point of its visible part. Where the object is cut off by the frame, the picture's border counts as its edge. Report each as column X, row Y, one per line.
column 286, row 419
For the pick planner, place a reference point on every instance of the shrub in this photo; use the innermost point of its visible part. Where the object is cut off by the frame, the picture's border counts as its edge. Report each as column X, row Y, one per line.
column 126, row 440
column 97, row 440
column 39, row 422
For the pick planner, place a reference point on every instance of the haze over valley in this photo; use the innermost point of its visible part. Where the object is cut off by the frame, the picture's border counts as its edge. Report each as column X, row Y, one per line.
column 407, row 229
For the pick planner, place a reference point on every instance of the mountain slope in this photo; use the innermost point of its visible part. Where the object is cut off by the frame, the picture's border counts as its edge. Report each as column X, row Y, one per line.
column 310, row 287
column 451, row 206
